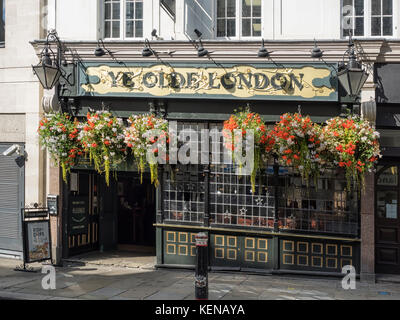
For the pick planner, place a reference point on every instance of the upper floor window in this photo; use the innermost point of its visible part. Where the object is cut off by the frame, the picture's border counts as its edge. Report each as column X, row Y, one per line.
column 381, row 17
column 123, row 19
column 369, row 18
column 238, row 18
column 2, row 23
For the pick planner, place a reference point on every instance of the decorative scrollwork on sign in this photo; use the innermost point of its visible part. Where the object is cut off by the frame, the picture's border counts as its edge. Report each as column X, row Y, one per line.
column 242, row 81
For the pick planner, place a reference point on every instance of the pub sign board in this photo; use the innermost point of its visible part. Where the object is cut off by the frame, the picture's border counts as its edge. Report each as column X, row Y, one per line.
column 79, row 215
column 37, row 240
column 254, row 81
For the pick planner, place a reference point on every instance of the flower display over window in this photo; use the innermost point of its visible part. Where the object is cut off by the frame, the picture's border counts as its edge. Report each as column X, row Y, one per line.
column 102, row 137
column 59, row 134
column 299, row 144
column 353, row 145
column 147, row 137
column 247, row 121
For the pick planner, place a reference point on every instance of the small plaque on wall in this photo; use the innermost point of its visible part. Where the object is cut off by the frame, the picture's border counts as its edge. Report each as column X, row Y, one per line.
column 74, row 182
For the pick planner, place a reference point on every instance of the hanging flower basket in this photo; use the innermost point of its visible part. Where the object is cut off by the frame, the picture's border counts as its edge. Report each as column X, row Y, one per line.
column 246, row 121
column 147, row 133
column 353, row 145
column 299, row 144
column 59, row 134
column 102, row 137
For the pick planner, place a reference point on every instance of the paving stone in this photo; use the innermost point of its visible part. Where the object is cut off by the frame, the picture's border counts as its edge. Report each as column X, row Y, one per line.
column 168, row 295
column 107, row 292
column 139, row 293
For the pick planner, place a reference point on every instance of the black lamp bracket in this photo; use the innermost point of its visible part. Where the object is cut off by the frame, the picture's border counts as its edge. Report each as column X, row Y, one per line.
column 52, row 36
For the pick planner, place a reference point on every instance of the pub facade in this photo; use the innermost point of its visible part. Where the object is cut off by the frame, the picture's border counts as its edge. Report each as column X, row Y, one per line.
column 285, row 224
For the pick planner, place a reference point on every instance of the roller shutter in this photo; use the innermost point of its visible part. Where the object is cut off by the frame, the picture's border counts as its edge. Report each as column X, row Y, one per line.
column 11, row 199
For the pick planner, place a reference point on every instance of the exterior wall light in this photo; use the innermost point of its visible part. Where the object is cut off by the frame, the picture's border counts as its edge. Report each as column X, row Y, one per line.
column 263, row 52
column 316, row 52
column 101, row 49
column 352, row 76
column 201, row 52
column 147, row 51
column 48, row 70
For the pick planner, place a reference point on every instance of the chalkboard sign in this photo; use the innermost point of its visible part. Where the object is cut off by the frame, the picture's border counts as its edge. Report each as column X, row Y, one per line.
column 78, row 215
column 37, row 241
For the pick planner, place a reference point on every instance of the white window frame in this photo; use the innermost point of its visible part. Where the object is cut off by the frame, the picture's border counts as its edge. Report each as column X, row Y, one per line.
column 122, row 21
column 368, row 21
column 238, row 23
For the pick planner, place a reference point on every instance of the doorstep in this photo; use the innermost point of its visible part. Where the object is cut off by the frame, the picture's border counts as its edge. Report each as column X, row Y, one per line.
column 388, row 278
column 123, row 259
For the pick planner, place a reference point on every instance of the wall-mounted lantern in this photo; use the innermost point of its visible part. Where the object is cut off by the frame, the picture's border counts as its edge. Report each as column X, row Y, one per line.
column 48, row 70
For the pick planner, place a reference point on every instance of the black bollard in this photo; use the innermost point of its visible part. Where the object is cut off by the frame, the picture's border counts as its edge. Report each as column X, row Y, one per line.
column 201, row 275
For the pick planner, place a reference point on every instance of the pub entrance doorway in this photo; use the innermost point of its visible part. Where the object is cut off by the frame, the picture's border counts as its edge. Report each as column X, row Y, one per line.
column 104, row 218
column 135, row 213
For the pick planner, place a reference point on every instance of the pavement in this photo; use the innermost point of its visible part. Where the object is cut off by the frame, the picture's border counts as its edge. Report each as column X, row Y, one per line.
column 116, row 276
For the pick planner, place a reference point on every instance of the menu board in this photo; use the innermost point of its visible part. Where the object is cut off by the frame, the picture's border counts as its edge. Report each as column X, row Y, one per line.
column 38, row 241
column 79, row 215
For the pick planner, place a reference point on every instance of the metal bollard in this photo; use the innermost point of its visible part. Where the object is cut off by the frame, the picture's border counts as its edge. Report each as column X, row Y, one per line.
column 201, row 275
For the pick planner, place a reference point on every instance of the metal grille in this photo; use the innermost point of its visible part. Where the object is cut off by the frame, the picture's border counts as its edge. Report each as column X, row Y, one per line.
column 231, row 199
column 322, row 206
column 184, row 189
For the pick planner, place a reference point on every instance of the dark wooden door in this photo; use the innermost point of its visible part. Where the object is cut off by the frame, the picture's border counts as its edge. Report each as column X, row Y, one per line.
column 387, row 220
column 83, row 218
column 108, row 218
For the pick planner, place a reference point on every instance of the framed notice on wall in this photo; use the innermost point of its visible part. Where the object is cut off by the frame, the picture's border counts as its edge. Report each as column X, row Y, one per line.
column 79, row 214
column 37, row 241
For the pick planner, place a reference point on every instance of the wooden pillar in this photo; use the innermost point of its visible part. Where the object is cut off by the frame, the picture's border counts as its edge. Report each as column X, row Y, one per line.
column 367, row 272
column 54, row 188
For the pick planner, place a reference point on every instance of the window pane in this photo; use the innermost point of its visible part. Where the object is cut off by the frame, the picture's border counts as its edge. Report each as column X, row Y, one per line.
column 347, row 3
column 359, row 30
column 387, row 204
column 107, row 29
column 231, row 10
column 246, row 28
column 376, row 7
column 139, row 29
column 220, row 27
column 130, row 10
column 107, row 11
column 246, row 8
column 388, row 177
column 359, row 7
column 376, row 26
column 129, row 29
column 139, row 10
column 387, row 26
column 221, row 8
column 256, row 27
column 231, row 26
column 387, row 7
column 115, row 29
column 257, row 8
column 115, row 14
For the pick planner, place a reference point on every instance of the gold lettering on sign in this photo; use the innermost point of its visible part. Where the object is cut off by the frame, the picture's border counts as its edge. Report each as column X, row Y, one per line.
column 242, row 81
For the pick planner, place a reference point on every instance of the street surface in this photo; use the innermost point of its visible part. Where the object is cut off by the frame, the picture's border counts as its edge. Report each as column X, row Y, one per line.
column 96, row 280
